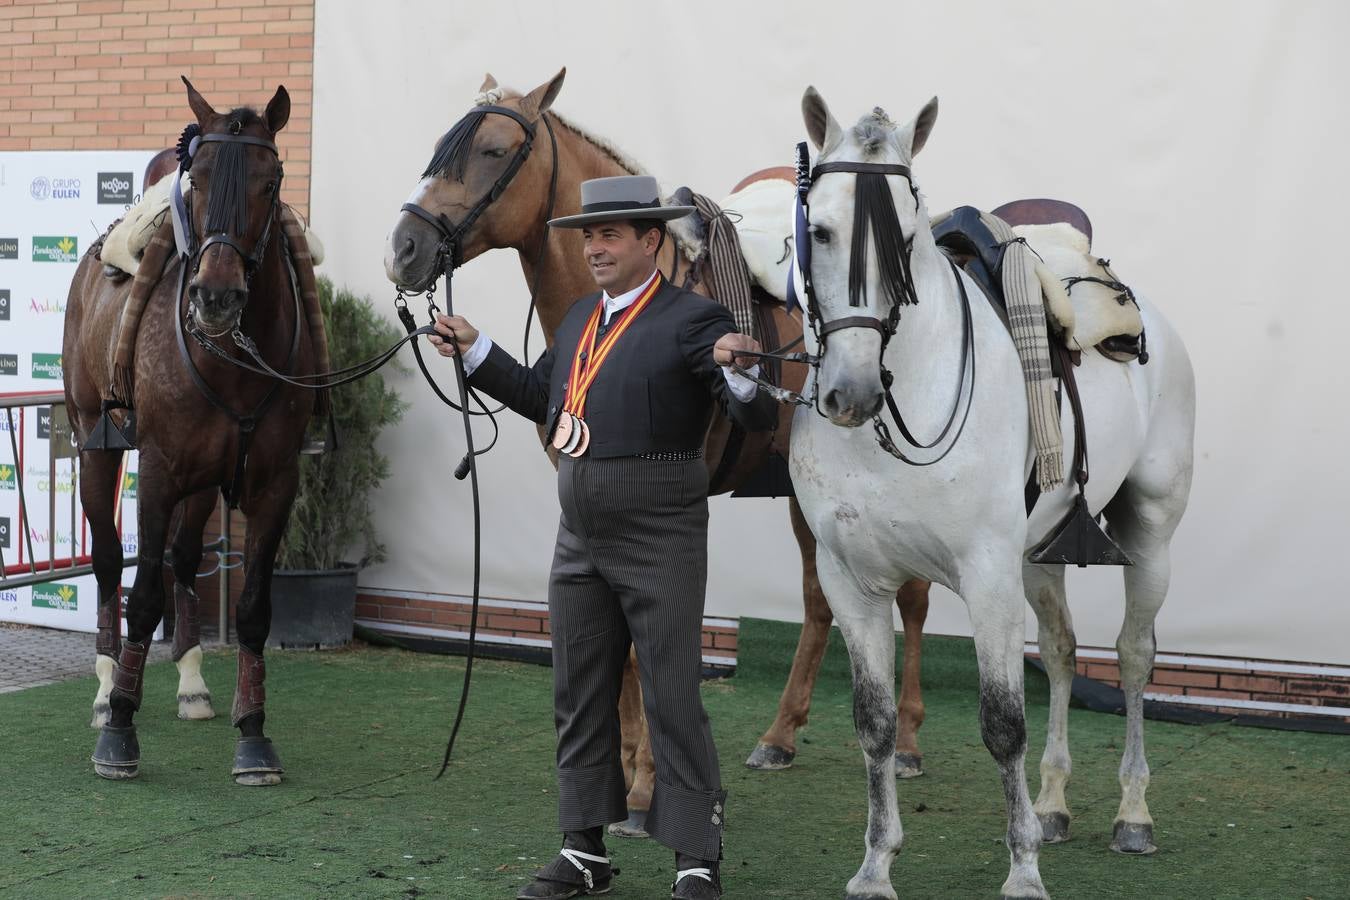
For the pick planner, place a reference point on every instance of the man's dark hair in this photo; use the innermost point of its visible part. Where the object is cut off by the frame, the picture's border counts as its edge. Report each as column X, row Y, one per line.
column 642, row 226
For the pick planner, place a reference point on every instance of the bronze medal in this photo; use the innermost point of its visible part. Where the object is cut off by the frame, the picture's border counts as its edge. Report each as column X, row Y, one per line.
column 575, row 438
column 585, row 439
column 562, row 431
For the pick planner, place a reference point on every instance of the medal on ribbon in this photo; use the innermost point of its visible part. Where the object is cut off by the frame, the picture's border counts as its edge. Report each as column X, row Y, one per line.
column 572, row 435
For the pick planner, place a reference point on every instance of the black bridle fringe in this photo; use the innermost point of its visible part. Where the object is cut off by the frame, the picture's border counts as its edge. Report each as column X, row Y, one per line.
column 227, row 205
column 452, row 151
column 874, row 212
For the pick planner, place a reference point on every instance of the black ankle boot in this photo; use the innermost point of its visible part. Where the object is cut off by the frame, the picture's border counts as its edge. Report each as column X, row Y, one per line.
column 696, row 879
column 581, row 869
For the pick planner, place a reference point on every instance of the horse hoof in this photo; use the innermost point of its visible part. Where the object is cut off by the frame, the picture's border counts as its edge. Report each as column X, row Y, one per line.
column 634, row 827
column 117, row 755
column 256, row 762
column 1133, row 838
column 195, row 707
column 908, row 765
column 768, row 758
column 1054, row 827
column 102, row 715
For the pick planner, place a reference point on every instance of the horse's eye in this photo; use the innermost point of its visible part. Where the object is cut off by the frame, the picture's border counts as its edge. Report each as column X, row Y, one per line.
column 496, row 153
column 820, row 235
column 271, row 187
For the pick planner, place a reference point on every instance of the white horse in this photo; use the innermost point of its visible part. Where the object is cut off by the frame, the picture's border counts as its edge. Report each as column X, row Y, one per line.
column 961, row 521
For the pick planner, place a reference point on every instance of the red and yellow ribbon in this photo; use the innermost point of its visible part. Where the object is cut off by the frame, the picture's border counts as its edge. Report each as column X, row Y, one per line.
column 588, row 358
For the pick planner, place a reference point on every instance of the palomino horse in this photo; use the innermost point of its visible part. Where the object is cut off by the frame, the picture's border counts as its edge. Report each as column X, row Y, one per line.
column 553, row 262
column 203, row 424
column 959, row 519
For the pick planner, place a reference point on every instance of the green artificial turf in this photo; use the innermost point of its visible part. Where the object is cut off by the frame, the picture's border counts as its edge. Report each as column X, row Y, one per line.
column 1240, row 812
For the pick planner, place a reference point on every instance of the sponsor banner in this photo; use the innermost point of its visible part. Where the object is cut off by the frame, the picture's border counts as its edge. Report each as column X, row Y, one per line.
column 130, row 482
column 48, row 366
column 53, row 206
column 114, row 187
column 56, row 595
column 55, row 248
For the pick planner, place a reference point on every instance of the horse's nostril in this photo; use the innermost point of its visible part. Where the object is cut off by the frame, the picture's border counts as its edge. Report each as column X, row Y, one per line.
column 408, row 249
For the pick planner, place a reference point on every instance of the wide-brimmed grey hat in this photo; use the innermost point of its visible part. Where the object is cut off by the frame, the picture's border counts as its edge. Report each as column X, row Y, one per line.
column 618, row 198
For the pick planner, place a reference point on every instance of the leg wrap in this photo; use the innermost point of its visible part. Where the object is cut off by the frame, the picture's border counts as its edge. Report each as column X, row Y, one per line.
column 186, row 630
column 249, row 694
column 127, row 677
column 109, row 641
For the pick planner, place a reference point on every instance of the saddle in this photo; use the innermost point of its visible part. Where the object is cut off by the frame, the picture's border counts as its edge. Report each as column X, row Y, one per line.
column 1079, row 538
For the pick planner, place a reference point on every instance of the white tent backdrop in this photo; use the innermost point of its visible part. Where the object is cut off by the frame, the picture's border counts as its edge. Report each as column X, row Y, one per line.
column 1206, row 141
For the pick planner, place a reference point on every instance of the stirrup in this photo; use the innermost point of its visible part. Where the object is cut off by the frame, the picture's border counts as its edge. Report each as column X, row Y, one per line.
column 1079, row 540
column 106, row 435
column 705, row 874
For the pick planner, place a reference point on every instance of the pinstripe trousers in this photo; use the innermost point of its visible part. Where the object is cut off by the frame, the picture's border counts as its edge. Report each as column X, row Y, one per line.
column 631, row 565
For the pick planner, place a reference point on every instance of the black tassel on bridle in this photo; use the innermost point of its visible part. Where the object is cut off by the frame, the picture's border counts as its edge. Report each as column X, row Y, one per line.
column 227, row 206
column 874, row 212
column 452, row 151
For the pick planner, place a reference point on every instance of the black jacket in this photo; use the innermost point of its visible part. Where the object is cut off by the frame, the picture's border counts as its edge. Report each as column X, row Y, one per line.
column 654, row 393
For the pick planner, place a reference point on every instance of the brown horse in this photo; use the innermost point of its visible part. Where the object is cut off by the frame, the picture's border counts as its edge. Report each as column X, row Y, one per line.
column 203, row 424
column 517, row 219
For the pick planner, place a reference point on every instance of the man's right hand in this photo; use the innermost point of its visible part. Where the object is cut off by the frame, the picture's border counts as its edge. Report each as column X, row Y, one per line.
column 456, row 327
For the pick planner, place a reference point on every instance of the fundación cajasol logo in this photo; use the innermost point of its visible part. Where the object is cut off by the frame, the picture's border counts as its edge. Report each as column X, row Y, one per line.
column 55, row 249
column 47, row 365
column 56, row 596
column 9, row 248
column 114, row 187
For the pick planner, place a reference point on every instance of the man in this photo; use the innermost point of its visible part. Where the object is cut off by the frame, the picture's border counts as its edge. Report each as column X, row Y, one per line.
column 626, row 393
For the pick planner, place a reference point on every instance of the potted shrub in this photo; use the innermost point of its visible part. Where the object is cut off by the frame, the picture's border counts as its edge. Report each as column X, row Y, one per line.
column 313, row 582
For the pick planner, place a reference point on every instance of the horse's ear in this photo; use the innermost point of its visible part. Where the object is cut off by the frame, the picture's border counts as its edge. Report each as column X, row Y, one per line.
column 200, row 108
column 922, row 126
column 489, row 83
column 541, row 98
column 278, row 110
column 820, row 125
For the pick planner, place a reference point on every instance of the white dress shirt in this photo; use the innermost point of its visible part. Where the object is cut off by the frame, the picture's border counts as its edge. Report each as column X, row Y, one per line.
column 742, row 388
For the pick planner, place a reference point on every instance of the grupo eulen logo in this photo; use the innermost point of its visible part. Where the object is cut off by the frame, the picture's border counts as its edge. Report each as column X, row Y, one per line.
column 114, row 187
column 4, row 304
column 43, row 188
column 56, row 596
column 47, row 365
column 9, row 248
column 62, row 249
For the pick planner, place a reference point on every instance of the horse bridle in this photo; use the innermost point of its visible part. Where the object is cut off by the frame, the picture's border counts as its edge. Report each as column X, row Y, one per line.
column 903, row 293
column 196, row 249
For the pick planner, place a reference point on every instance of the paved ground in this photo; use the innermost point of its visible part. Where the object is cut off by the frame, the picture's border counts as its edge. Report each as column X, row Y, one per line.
column 32, row 656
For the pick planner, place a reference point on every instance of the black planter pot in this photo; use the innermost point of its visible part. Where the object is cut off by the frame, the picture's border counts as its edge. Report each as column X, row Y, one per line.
column 313, row 609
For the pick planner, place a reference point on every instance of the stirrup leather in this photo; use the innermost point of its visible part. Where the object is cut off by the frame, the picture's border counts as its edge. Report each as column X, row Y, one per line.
column 574, row 857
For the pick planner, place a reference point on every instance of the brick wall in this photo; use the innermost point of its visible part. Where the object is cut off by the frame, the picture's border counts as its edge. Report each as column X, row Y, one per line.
column 103, row 74
column 518, row 624
column 1234, row 686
